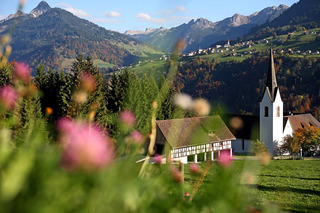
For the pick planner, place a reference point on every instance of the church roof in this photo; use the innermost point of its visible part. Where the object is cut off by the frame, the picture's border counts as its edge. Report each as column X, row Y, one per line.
column 192, row 131
column 302, row 120
column 271, row 84
column 243, row 126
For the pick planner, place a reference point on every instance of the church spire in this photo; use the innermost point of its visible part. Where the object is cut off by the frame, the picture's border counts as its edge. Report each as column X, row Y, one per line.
column 271, row 78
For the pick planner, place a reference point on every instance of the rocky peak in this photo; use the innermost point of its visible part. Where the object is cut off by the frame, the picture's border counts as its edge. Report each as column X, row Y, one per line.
column 40, row 9
column 201, row 23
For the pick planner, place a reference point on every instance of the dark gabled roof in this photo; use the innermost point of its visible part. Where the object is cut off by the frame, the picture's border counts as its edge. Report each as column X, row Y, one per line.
column 243, row 126
column 197, row 130
column 271, row 83
column 302, row 120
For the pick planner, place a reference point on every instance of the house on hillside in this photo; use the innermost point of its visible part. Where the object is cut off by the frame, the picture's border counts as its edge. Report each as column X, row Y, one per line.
column 181, row 138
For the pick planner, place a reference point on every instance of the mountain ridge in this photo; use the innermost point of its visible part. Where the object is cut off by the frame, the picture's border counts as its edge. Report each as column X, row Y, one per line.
column 52, row 35
column 228, row 28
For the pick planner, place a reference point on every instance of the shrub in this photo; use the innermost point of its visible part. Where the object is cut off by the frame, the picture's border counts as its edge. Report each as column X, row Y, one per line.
column 259, row 147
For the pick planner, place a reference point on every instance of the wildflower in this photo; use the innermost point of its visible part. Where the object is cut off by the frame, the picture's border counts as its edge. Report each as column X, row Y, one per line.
column 5, row 39
column 22, row 2
column 249, row 178
column 136, row 136
column 225, row 159
column 81, row 97
column 127, row 117
column 180, row 45
column 22, row 72
column 236, row 123
column 264, row 158
column 92, row 115
column 183, row 100
column 194, row 168
column 157, row 158
column 49, row 111
column 87, row 82
column 201, row 107
column 8, row 51
column 176, row 174
column 85, row 146
column 8, row 97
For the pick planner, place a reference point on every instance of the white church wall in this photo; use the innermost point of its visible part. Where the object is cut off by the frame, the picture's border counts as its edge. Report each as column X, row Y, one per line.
column 266, row 124
column 277, row 122
column 287, row 130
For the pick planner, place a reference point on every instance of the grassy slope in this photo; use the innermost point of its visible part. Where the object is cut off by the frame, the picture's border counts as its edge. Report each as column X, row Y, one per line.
column 155, row 68
column 293, row 185
column 299, row 41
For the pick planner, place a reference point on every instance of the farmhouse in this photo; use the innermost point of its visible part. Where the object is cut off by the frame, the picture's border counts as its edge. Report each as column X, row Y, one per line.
column 181, row 138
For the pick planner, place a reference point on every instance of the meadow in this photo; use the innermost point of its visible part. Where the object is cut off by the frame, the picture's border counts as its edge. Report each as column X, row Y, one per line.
column 293, row 185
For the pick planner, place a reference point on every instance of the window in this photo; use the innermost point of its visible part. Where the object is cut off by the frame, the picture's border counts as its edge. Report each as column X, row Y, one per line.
column 242, row 144
column 266, row 112
column 278, row 111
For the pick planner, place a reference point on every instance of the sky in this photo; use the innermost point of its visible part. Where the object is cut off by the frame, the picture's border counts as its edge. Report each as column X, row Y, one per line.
column 122, row 15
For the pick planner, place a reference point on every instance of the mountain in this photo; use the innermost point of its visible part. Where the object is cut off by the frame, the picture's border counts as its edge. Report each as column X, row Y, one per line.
column 305, row 14
column 53, row 36
column 40, row 9
column 201, row 33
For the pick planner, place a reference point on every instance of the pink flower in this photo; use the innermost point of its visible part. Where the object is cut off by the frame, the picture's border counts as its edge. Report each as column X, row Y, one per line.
column 157, row 158
column 225, row 158
column 8, row 97
column 136, row 136
column 22, row 72
column 176, row 174
column 127, row 117
column 194, row 168
column 87, row 82
column 85, row 146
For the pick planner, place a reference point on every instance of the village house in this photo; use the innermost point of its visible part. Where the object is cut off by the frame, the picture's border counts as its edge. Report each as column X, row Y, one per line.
column 190, row 137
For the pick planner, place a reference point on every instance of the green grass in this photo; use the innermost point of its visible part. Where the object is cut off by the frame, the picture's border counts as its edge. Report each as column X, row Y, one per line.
column 294, row 185
column 155, row 68
column 99, row 63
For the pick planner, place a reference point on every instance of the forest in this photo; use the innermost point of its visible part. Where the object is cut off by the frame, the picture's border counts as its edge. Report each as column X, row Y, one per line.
column 237, row 87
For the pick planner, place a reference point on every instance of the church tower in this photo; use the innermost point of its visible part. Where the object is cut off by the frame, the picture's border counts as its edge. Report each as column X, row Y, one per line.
column 271, row 111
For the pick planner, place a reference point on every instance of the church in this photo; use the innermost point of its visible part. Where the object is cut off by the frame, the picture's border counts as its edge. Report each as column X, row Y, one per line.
column 271, row 126
column 181, row 138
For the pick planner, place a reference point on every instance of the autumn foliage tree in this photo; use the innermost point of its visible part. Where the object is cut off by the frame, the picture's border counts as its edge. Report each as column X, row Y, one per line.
column 307, row 138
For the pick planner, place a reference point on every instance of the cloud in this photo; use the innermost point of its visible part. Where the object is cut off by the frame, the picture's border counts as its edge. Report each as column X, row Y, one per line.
column 77, row 12
column 162, row 18
column 181, row 8
column 114, row 14
column 143, row 17
column 2, row 17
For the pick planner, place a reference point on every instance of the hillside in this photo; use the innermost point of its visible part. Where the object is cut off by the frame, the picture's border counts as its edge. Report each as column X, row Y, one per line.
column 233, row 79
column 201, row 33
column 302, row 15
column 52, row 36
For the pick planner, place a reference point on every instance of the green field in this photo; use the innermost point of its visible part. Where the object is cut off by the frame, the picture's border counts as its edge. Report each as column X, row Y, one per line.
column 155, row 68
column 97, row 62
column 293, row 185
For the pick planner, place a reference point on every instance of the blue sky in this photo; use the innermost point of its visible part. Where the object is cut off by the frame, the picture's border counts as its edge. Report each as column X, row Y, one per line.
column 122, row 15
